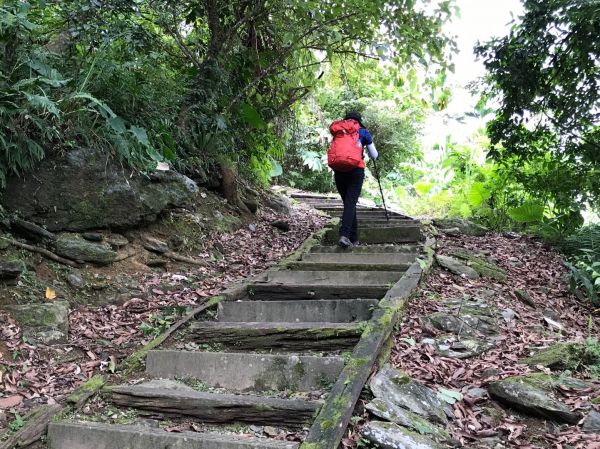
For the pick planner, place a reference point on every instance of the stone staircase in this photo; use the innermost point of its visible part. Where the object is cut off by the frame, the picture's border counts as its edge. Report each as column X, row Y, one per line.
column 293, row 331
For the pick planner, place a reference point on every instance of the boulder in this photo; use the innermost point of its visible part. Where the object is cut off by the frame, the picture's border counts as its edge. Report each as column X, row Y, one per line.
column 46, row 323
column 84, row 189
column 74, row 247
column 10, row 271
column 456, row 266
column 391, row 436
column 154, row 245
column 391, row 412
column 592, row 422
column 282, row 225
column 397, row 388
column 279, row 204
column 251, row 203
column 518, row 393
column 464, row 226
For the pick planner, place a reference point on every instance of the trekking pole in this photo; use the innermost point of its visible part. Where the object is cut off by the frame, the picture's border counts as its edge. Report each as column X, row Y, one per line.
column 387, row 217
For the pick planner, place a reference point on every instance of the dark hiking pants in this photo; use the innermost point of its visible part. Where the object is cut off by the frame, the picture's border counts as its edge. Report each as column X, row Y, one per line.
column 349, row 185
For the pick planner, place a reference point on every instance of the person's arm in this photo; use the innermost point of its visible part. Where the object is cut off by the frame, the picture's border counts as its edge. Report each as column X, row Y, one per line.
column 367, row 140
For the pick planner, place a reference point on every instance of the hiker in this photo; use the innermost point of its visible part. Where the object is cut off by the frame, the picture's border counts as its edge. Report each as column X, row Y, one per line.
column 346, row 159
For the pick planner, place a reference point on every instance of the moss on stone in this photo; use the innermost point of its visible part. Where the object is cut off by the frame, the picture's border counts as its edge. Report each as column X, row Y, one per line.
column 87, row 389
column 558, row 356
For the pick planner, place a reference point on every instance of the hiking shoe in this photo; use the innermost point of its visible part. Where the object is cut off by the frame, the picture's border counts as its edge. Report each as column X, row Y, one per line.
column 344, row 242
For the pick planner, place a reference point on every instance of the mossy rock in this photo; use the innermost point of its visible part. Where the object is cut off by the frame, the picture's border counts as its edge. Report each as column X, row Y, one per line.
column 558, row 356
column 391, row 436
column 74, row 247
column 48, row 323
column 480, row 264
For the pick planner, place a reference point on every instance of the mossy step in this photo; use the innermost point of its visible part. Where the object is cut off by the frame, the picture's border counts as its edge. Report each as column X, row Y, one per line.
column 291, row 292
column 360, row 258
column 406, row 248
column 72, row 435
column 388, row 234
column 345, row 278
column 341, row 266
column 278, row 336
column 246, row 372
column 214, row 407
column 305, row 311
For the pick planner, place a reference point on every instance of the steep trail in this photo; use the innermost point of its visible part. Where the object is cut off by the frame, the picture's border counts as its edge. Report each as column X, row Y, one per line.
column 291, row 352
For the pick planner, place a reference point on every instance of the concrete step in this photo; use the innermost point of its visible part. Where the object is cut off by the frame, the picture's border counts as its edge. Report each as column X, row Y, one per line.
column 369, row 223
column 390, row 234
column 277, row 336
column 296, row 285
column 290, row 277
column 214, row 407
column 360, row 258
column 305, row 311
column 367, row 249
column 72, row 435
column 246, row 372
column 345, row 266
column 290, row 292
column 363, row 213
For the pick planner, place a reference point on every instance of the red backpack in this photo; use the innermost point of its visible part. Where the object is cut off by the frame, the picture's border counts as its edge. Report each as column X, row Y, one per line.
column 345, row 152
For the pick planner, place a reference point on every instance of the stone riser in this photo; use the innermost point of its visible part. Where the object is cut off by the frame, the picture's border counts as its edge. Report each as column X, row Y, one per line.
column 330, row 311
column 246, row 372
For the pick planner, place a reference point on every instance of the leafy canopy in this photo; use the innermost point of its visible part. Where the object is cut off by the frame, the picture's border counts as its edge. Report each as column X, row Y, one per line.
column 545, row 76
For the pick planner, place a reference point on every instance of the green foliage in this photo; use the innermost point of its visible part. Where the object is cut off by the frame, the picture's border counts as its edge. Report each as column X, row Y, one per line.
column 189, row 81
column 159, row 323
column 17, row 423
column 545, row 77
column 583, row 250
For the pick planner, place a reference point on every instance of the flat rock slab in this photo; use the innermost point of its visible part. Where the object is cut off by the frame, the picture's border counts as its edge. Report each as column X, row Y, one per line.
column 63, row 435
column 465, row 324
column 391, row 436
column 456, row 266
column 332, row 277
column 391, row 412
column 463, row 348
column 367, row 249
column 247, row 372
column 74, row 247
column 521, row 395
column 388, row 234
column 282, row 336
column 397, row 388
column 358, row 258
column 307, row 311
column 215, row 408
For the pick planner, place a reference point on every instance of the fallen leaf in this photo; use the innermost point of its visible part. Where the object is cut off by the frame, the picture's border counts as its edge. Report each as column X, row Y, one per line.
column 10, row 402
column 50, row 293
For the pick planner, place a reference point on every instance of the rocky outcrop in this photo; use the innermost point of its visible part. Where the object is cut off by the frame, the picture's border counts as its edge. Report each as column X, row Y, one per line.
column 85, row 190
